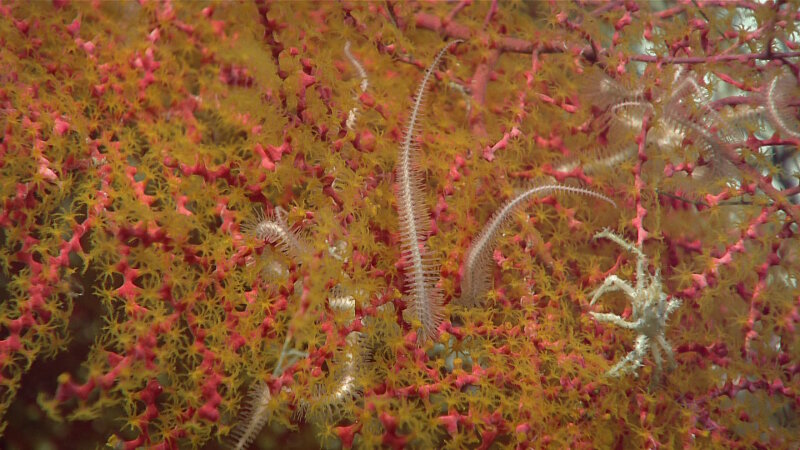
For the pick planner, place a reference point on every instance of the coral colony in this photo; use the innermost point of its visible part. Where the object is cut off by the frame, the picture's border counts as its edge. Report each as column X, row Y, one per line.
column 399, row 224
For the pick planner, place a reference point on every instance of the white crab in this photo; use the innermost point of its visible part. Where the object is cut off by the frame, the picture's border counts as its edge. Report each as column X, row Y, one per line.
column 650, row 311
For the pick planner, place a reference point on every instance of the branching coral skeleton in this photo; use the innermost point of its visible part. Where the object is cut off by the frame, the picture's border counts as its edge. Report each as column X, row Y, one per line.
column 137, row 138
column 684, row 113
column 650, row 311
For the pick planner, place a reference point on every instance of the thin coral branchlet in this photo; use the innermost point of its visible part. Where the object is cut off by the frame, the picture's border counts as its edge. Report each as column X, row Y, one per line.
column 649, row 315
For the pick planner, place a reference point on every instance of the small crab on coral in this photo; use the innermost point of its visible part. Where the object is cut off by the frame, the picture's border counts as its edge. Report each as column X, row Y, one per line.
column 650, row 311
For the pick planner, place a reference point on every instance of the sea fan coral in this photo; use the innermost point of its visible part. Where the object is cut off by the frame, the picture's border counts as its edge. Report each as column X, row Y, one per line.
column 145, row 293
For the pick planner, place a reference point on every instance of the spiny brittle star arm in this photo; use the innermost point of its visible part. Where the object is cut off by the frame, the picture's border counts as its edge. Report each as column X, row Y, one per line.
column 421, row 270
column 475, row 278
